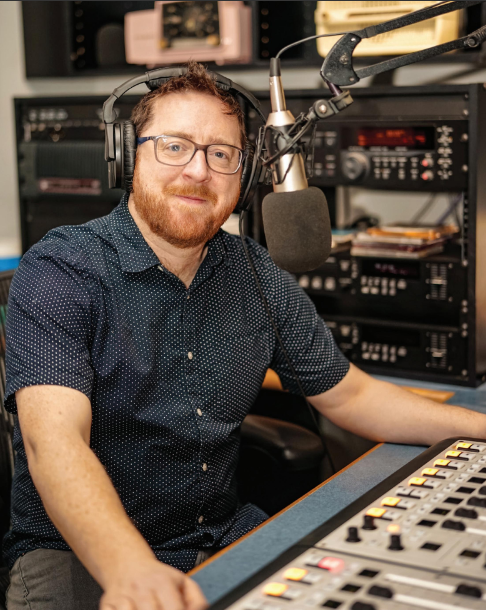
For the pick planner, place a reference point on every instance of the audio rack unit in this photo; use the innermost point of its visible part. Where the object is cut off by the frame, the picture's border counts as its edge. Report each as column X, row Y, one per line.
column 421, row 318
column 63, row 177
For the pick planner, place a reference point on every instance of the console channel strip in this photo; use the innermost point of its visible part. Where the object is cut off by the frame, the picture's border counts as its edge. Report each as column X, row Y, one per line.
column 417, row 540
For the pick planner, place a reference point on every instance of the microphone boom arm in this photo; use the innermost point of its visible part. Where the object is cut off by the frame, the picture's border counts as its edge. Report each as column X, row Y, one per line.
column 337, row 68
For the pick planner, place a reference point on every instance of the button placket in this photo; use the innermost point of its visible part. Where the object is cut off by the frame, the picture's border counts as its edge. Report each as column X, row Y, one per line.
column 188, row 335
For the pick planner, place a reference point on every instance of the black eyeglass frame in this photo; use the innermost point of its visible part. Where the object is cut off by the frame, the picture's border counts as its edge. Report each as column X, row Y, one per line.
column 203, row 147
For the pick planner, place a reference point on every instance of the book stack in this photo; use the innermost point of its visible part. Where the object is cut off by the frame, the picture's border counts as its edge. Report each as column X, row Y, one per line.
column 402, row 242
column 341, row 240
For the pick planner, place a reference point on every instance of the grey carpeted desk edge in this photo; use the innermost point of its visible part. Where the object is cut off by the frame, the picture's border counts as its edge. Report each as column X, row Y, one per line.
column 254, row 552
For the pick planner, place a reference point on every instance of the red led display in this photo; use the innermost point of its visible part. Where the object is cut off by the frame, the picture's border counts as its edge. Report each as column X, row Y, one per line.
column 391, row 137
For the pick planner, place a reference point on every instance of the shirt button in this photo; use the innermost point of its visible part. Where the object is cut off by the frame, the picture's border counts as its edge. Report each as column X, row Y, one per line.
column 200, row 519
column 190, row 355
column 198, row 411
column 188, row 296
column 204, row 467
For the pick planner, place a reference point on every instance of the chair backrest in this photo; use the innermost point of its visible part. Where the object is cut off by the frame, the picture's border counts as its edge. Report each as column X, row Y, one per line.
column 6, row 419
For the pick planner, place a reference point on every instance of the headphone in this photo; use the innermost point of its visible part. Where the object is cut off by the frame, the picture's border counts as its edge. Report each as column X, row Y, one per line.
column 121, row 138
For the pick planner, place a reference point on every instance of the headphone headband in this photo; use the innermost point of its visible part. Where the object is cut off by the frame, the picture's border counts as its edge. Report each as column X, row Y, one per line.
column 158, row 77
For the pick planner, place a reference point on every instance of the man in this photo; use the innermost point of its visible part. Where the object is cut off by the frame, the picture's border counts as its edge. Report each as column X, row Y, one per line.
column 136, row 345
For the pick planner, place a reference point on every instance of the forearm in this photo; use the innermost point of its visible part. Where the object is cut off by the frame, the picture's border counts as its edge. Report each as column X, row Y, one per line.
column 381, row 411
column 82, row 503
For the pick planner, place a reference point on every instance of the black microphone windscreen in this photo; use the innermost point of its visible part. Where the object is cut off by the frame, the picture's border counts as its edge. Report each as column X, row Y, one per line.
column 297, row 229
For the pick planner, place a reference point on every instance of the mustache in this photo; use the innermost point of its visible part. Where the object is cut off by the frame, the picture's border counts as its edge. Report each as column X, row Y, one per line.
column 201, row 192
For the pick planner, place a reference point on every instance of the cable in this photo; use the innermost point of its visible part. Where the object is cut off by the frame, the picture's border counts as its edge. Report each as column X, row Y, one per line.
column 279, row 339
column 453, row 203
column 425, row 208
column 294, row 44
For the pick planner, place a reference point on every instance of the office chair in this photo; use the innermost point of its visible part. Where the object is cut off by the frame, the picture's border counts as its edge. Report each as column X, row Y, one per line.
column 6, row 433
column 281, row 454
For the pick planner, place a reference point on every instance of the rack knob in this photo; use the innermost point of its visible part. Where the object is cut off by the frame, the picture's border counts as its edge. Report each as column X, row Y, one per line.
column 427, row 175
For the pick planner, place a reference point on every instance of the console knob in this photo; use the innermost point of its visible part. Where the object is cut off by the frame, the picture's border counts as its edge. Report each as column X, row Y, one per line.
column 474, row 501
column 354, row 165
column 467, row 513
column 395, row 543
column 353, row 535
column 359, row 605
column 369, row 523
column 450, row 524
column 466, row 589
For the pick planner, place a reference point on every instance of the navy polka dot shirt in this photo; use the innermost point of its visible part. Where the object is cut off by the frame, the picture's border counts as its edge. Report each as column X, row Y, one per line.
column 171, row 372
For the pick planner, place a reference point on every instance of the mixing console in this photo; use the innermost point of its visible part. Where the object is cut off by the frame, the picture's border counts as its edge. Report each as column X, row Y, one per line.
column 417, row 540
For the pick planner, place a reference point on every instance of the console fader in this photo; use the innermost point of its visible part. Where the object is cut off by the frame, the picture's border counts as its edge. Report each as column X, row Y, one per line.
column 416, row 541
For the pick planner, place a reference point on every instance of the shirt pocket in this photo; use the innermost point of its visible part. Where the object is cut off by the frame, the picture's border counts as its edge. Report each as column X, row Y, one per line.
column 246, row 359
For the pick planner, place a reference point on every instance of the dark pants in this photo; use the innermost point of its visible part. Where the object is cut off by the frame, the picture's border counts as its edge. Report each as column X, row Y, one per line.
column 47, row 579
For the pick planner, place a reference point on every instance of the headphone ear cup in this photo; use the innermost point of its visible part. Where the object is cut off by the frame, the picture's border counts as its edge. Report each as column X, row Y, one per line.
column 129, row 136
column 252, row 171
column 246, row 177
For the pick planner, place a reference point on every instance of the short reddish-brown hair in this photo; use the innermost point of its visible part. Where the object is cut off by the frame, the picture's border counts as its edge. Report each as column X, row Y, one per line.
column 197, row 79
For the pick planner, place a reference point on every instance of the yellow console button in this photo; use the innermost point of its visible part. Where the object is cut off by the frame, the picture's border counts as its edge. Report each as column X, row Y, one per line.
column 442, row 463
column 275, row 588
column 417, row 481
column 376, row 512
column 463, row 445
column 429, row 472
column 295, row 574
column 453, row 454
column 390, row 501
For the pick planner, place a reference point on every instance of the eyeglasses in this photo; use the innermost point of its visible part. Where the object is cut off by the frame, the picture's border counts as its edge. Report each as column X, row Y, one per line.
column 174, row 150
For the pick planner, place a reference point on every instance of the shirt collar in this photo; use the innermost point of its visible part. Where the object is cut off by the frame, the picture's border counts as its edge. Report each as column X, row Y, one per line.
column 135, row 253
column 217, row 250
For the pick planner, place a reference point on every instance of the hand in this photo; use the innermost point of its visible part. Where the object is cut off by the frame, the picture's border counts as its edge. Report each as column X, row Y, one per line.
column 153, row 586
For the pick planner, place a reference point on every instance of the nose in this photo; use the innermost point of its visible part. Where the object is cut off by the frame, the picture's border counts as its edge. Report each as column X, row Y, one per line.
column 197, row 169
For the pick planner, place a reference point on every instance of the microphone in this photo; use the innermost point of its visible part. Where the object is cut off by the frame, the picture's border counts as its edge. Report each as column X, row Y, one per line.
column 295, row 216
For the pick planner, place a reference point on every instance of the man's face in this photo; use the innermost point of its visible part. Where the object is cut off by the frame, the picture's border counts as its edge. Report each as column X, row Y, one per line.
column 186, row 205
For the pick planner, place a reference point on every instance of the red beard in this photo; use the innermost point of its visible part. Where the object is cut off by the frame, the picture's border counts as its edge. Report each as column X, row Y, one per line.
column 199, row 223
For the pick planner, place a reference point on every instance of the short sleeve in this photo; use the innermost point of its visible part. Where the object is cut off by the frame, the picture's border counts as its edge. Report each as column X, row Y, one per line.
column 48, row 322
column 311, row 348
